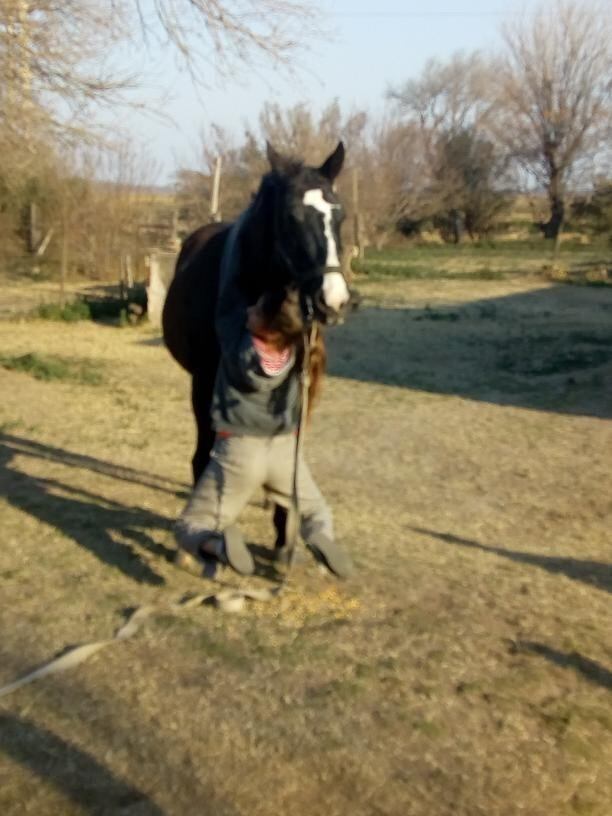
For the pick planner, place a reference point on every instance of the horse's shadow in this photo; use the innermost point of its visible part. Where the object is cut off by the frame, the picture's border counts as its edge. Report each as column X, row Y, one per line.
column 594, row 573
column 87, row 518
column 548, row 348
column 591, row 670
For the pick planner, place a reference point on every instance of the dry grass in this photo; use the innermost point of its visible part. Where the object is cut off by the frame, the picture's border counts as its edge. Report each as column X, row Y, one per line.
column 465, row 671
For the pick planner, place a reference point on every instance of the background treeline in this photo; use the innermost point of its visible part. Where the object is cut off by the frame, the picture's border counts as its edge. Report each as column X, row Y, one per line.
column 503, row 146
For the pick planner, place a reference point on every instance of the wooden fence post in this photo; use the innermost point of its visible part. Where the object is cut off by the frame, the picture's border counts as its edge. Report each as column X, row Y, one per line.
column 357, row 224
column 214, row 198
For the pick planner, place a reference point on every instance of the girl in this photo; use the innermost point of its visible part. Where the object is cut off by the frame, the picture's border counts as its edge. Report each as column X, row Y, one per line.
column 255, row 413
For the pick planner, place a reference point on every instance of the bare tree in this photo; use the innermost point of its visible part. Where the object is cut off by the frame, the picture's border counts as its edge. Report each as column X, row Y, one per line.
column 298, row 131
column 394, row 176
column 448, row 97
column 555, row 95
column 54, row 64
column 213, row 37
column 243, row 163
column 452, row 103
column 60, row 57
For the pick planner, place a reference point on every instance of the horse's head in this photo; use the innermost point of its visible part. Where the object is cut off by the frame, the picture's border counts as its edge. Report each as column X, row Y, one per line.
column 306, row 216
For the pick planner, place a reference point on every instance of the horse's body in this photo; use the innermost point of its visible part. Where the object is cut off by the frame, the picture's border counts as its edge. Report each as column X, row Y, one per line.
column 189, row 326
column 289, row 240
column 189, row 310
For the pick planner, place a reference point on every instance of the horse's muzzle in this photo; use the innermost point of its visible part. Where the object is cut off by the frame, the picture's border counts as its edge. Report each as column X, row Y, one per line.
column 325, row 297
column 335, row 290
column 326, row 315
column 331, row 298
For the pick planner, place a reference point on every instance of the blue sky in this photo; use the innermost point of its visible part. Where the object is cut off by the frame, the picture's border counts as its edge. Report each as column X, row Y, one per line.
column 374, row 43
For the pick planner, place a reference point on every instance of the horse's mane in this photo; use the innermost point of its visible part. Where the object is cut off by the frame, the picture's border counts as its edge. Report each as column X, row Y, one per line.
column 291, row 168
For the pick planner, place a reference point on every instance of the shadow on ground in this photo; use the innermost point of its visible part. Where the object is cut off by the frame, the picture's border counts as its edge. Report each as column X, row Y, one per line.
column 548, row 348
column 594, row 573
column 93, row 521
column 592, row 671
column 37, row 450
column 72, row 771
column 152, row 341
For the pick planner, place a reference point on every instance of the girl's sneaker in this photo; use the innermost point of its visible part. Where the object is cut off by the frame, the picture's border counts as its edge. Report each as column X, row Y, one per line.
column 229, row 548
column 219, row 549
column 332, row 555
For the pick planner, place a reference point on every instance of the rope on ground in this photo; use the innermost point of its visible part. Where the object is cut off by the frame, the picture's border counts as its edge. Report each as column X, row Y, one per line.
column 227, row 600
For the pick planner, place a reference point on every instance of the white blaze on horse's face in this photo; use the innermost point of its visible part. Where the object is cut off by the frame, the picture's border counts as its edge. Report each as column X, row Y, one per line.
column 314, row 198
column 335, row 290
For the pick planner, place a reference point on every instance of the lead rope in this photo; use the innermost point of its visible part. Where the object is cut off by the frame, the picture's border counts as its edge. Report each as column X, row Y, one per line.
column 228, row 599
column 293, row 518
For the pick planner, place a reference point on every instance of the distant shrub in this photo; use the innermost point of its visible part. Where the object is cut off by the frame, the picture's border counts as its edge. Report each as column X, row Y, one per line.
column 69, row 312
column 595, row 212
column 107, row 308
column 593, row 275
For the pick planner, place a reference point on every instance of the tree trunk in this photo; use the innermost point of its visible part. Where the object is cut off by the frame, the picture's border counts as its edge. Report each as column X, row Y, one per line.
column 552, row 228
column 455, row 219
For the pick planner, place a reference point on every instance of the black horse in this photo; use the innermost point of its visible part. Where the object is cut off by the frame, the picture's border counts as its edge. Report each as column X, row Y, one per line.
column 289, row 239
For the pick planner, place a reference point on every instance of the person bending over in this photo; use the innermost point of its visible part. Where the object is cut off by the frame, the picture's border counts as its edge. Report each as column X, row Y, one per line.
column 255, row 413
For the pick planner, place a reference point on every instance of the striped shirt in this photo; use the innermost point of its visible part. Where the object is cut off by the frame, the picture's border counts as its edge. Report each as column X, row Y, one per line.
column 273, row 361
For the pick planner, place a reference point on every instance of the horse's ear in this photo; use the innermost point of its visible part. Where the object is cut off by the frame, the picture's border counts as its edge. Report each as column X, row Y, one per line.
column 278, row 163
column 332, row 165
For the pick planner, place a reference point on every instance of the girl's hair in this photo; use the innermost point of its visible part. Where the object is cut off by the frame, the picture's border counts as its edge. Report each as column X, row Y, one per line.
column 282, row 314
column 318, row 361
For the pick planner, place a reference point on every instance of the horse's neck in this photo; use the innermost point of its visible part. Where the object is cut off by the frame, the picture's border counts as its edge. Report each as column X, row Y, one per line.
column 258, row 262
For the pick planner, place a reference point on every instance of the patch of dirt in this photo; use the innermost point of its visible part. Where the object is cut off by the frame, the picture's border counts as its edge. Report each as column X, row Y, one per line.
column 464, row 671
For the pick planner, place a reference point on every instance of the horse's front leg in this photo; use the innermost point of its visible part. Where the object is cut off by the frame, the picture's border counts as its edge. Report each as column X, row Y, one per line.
column 280, row 525
column 202, row 385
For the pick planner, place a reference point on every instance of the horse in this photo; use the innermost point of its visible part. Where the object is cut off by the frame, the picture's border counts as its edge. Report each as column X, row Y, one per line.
column 290, row 243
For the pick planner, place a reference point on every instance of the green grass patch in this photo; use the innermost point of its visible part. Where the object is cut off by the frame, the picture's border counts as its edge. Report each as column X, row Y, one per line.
column 478, row 261
column 428, row 728
column 410, row 271
column 49, row 367
column 69, row 312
